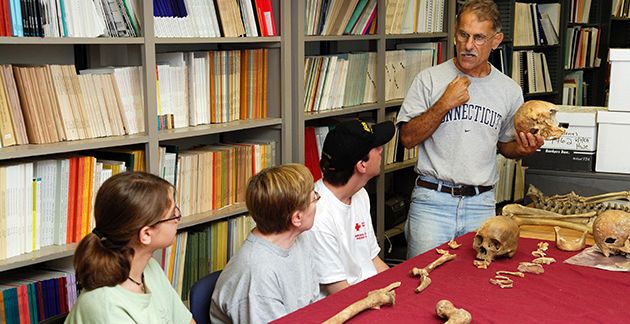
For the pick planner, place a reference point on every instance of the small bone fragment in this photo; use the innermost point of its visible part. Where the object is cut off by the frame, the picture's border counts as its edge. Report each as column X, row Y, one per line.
column 441, row 252
column 425, row 281
column 445, row 309
column 375, row 299
column 531, row 267
column 544, row 260
column 512, row 273
column 509, row 283
column 481, row 264
column 569, row 245
column 453, row 244
column 539, row 253
column 503, row 278
column 543, row 246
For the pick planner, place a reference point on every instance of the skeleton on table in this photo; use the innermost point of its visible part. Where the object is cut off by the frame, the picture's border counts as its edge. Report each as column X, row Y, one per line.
column 579, row 213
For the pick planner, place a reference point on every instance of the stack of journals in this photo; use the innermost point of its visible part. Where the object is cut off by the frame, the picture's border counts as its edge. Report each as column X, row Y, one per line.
column 531, row 72
column 49, row 202
column 197, row 88
column 414, row 16
column 70, row 18
column 218, row 18
column 51, row 103
column 536, row 24
column 334, row 17
column 35, row 295
column 196, row 253
column 214, row 176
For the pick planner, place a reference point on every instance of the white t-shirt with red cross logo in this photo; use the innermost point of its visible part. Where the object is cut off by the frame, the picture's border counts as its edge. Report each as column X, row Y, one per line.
column 344, row 243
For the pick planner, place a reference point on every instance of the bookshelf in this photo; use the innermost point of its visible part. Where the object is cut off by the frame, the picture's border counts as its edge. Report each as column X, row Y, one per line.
column 594, row 76
column 556, row 55
column 516, row 41
column 142, row 51
column 304, row 46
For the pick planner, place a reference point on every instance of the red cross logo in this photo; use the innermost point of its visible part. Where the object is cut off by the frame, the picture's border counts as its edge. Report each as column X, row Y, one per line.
column 357, row 226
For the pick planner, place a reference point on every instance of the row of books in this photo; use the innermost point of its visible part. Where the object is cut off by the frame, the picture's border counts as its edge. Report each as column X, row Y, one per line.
column 212, row 87
column 197, row 253
column 341, row 80
column 531, row 72
column 621, row 8
column 511, row 184
column 574, row 89
column 349, row 79
column 536, row 24
column 582, row 48
column 337, row 17
column 49, row 202
column 35, row 295
column 394, row 151
column 580, row 11
column 214, row 176
column 70, row 18
column 51, row 103
column 402, row 66
column 414, row 16
column 218, row 18
column 501, row 58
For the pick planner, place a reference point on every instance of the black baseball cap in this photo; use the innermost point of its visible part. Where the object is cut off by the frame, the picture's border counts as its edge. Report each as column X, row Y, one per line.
column 352, row 140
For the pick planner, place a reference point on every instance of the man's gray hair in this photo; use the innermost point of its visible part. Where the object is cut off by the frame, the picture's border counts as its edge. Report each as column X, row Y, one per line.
column 484, row 10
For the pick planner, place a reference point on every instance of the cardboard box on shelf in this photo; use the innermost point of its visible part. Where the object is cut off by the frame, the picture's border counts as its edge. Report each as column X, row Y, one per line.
column 619, row 96
column 613, row 146
column 581, row 125
column 558, row 159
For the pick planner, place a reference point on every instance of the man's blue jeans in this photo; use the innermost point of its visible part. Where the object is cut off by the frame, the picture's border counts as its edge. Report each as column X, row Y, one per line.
column 436, row 217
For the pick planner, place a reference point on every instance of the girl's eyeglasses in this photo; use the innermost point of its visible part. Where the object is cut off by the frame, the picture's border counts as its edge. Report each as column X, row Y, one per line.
column 177, row 215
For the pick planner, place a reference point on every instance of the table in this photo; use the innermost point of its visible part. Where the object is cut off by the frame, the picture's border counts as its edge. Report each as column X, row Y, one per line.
column 563, row 294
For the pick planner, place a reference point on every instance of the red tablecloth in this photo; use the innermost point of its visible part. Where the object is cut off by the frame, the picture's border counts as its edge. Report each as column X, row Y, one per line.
column 563, row 294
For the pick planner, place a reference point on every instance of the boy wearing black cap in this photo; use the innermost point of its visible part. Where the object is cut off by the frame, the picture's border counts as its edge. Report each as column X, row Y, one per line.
column 345, row 246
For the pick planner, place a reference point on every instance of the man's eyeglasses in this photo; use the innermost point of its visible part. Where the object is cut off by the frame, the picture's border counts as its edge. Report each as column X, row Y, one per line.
column 478, row 39
column 177, row 215
column 317, row 196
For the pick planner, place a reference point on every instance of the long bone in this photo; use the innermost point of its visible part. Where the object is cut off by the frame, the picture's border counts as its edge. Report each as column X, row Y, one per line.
column 375, row 299
column 425, row 281
column 523, row 211
column 552, row 222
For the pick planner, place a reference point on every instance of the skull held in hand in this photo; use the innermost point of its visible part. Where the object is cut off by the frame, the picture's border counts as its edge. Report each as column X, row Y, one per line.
column 538, row 117
column 611, row 232
column 497, row 236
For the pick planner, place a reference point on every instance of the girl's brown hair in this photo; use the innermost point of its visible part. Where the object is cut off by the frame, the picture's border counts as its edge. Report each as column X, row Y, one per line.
column 124, row 204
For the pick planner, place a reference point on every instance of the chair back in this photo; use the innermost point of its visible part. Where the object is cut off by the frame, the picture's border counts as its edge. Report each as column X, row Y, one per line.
column 200, row 297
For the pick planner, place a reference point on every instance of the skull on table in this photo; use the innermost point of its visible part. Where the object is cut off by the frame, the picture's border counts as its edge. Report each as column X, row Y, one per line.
column 611, row 232
column 538, row 117
column 496, row 237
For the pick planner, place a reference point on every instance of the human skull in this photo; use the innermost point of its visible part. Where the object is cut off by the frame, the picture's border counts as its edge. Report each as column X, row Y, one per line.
column 538, row 117
column 611, row 232
column 497, row 236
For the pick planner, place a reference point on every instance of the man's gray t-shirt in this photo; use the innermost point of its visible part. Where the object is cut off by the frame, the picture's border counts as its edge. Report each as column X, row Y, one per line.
column 263, row 282
column 462, row 149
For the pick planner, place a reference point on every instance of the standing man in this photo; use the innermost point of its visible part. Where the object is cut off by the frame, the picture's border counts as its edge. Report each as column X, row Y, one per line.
column 459, row 113
column 345, row 246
